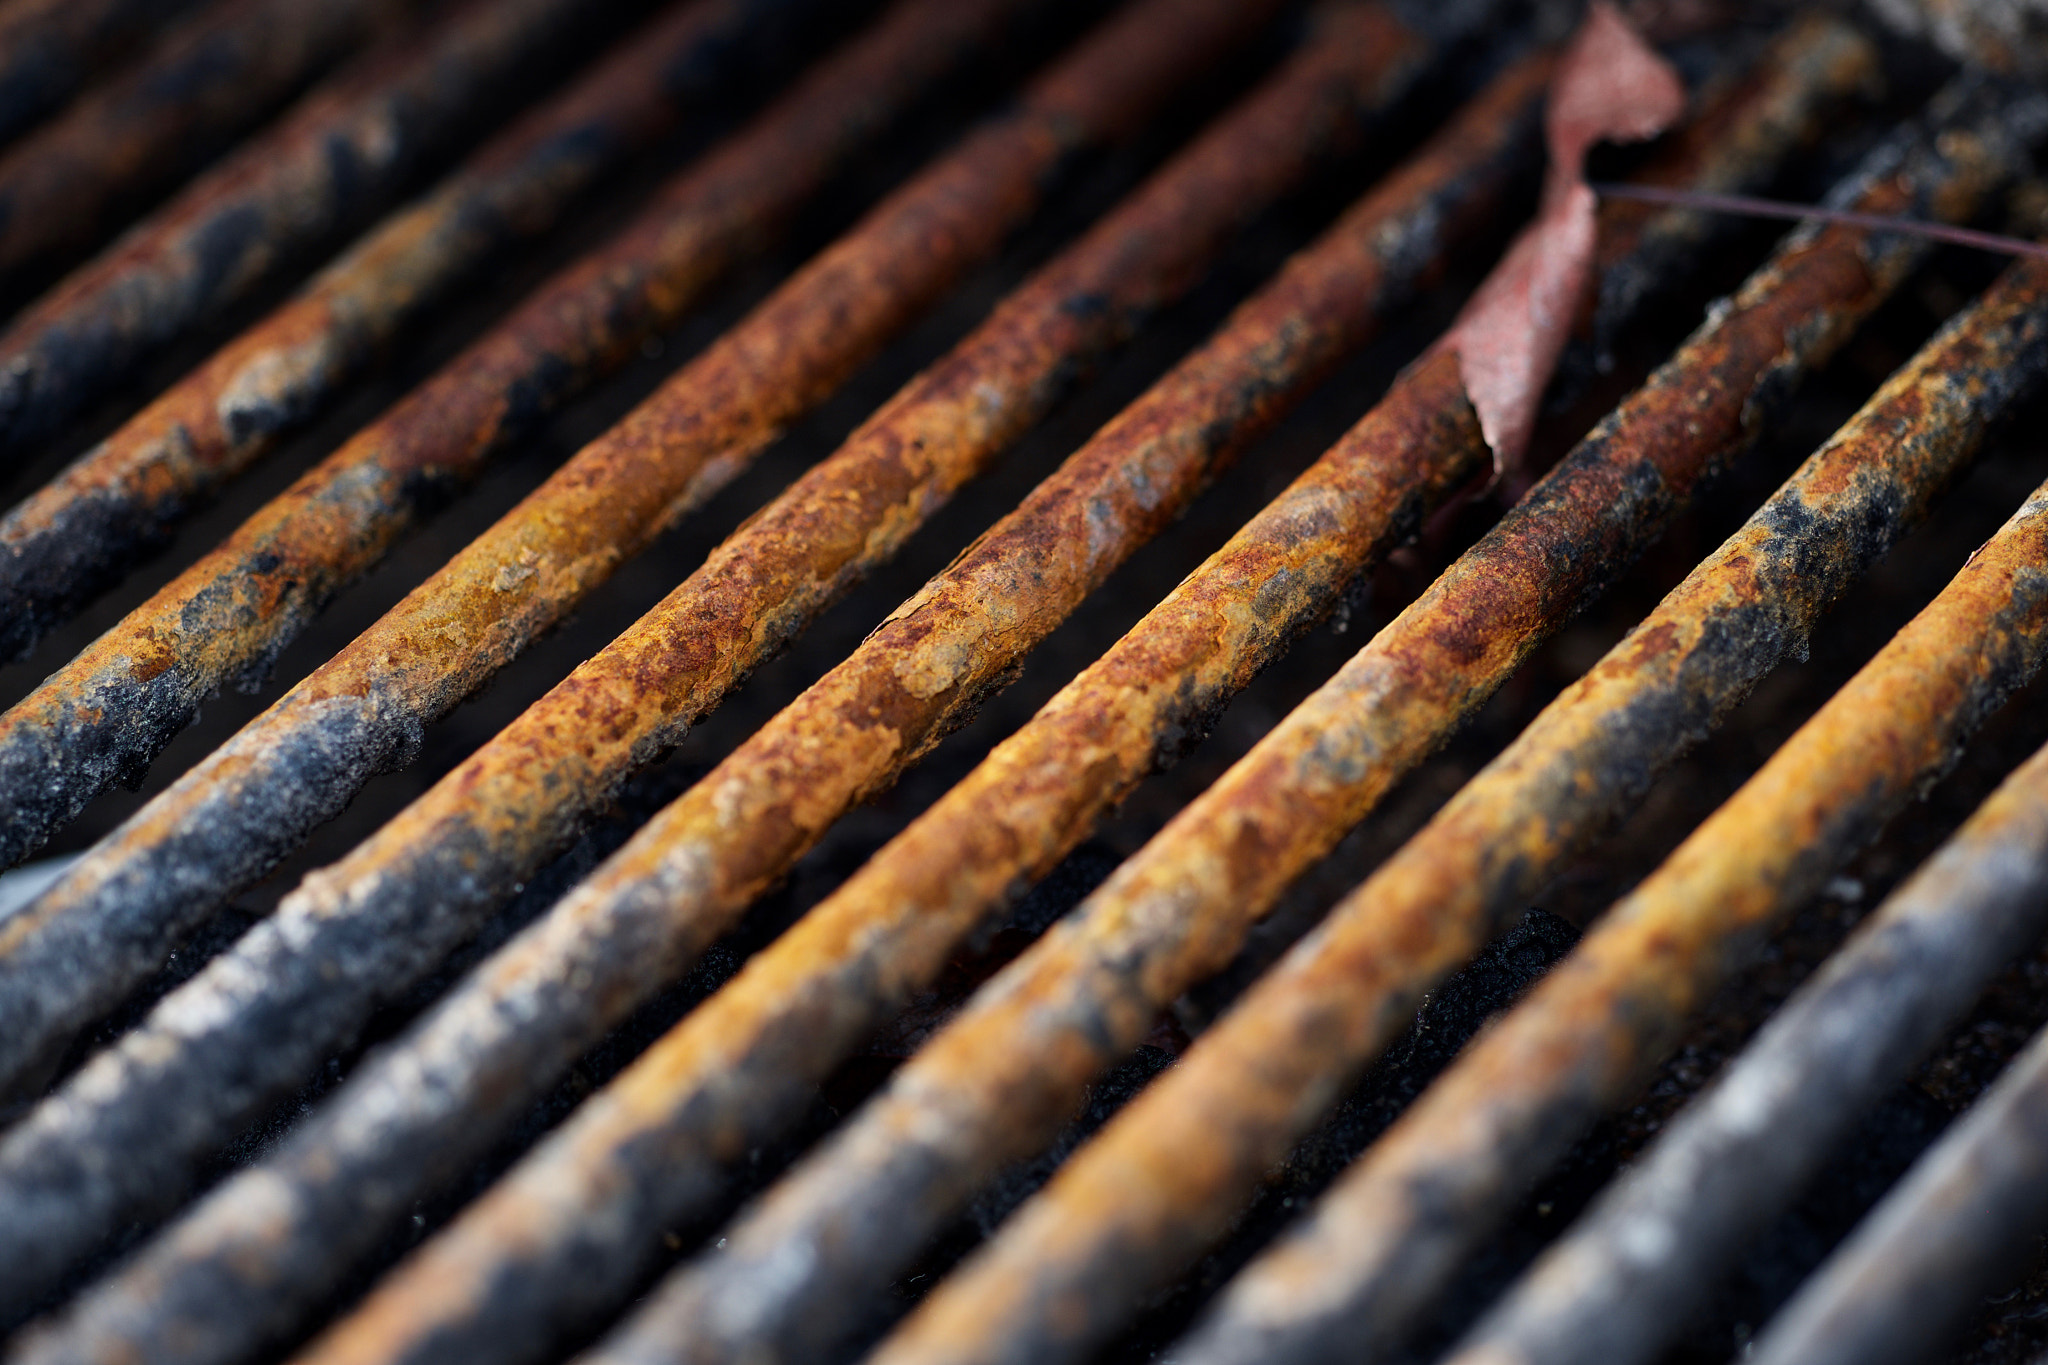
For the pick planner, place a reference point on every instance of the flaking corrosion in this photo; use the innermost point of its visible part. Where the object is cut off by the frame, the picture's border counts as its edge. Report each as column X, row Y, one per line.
column 1168, row 1174
column 884, row 1187
column 1959, row 1226
column 996, row 1085
column 123, row 499
column 637, row 922
column 101, row 717
column 368, row 927
column 330, row 161
column 1379, row 1246
column 122, row 143
column 77, row 946
column 49, row 49
column 1628, row 1274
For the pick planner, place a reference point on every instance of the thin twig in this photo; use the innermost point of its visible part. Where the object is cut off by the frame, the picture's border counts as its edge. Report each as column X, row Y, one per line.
column 1772, row 208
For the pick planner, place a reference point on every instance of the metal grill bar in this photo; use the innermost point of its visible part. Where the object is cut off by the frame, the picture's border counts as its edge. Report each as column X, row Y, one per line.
column 423, row 886
column 337, row 155
column 91, row 937
column 1378, row 1247
column 1166, row 1176
column 223, row 1063
column 123, row 498
column 593, row 959
column 211, row 78
column 48, row 47
column 984, row 1094
column 1655, row 1243
column 1951, row 1229
column 109, row 710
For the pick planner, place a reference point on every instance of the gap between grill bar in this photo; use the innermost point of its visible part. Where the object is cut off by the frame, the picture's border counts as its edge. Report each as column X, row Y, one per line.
column 230, row 819
column 1492, row 1124
column 332, row 160
column 50, row 49
column 459, row 1050
column 1133, row 1206
column 422, row 886
column 122, row 499
column 994, row 1087
column 112, row 151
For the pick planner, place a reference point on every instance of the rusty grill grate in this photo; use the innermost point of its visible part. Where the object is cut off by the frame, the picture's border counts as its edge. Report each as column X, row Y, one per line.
column 749, row 680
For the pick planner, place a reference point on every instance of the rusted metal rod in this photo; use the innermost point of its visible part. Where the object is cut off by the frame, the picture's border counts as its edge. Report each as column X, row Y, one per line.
column 1182, row 1157
column 1620, row 1283
column 49, row 49
column 1956, row 1228
column 364, row 709
column 548, row 767
column 1379, row 1245
column 867, row 1202
column 425, row 883
column 329, row 162
column 532, row 1009
column 122, row 143
column 108, row 711
column 87, row 939
column 725, row 1078
column 123, row 498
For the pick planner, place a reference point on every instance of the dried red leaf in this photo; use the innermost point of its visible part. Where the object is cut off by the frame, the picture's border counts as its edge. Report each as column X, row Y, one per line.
column 1611, row 86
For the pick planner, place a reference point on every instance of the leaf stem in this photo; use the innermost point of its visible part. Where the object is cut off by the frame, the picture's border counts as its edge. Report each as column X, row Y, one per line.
column 1772, row 208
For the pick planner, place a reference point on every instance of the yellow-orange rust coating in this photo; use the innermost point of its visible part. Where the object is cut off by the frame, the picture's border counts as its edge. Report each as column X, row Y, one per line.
column 1624, row 1280
column 528, row 790
column 107, row 712
column 329, row 162
column 1168, row 1174
column 1007, row 823
column 64, row 185
column 650, row 1147
column 998, row 1082
column 116, row 913
column 120, row 500
column 1382, row 1242
column 366, row 928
